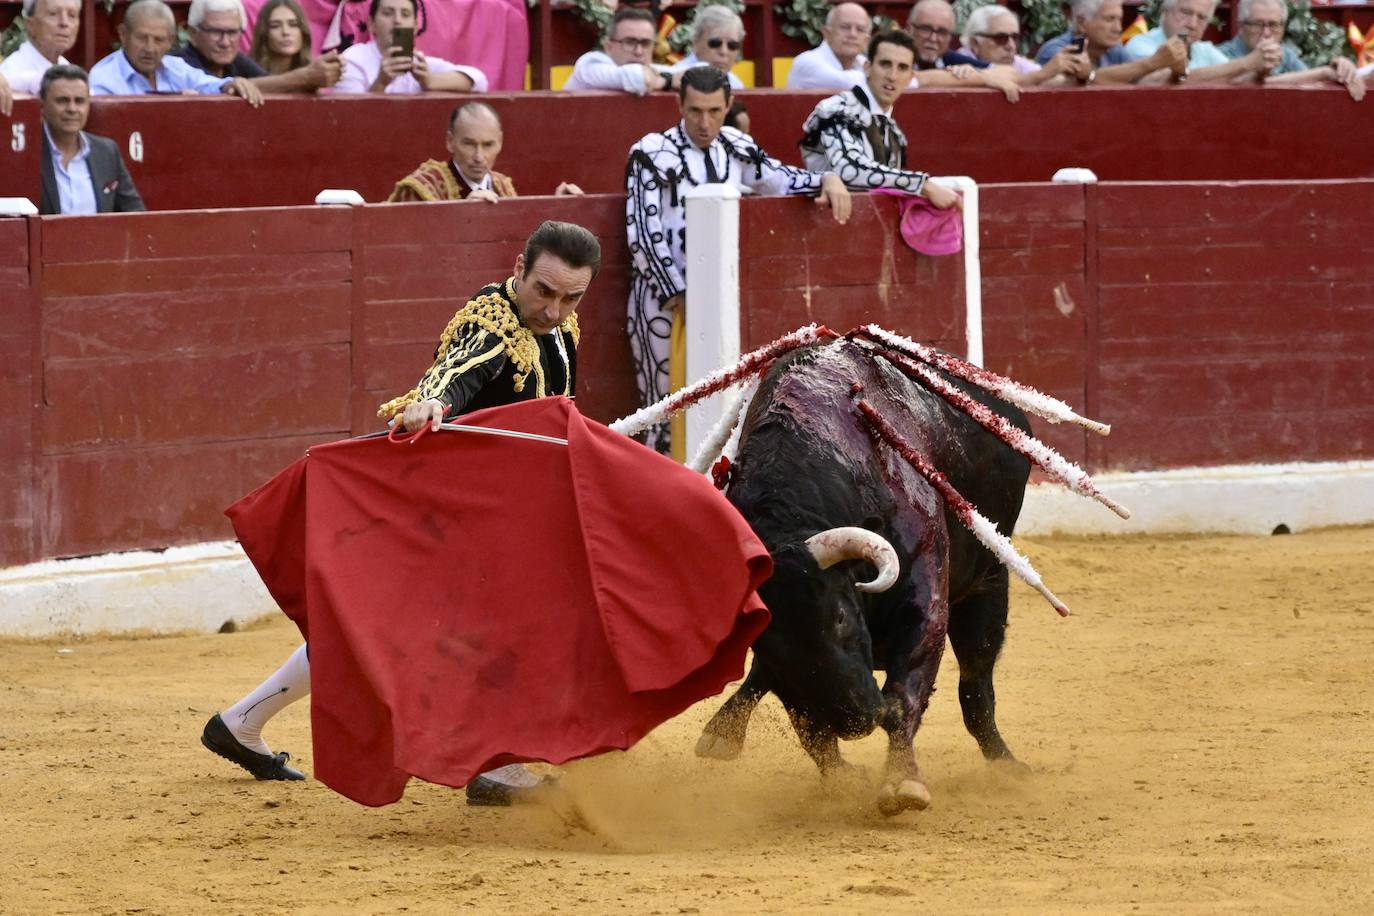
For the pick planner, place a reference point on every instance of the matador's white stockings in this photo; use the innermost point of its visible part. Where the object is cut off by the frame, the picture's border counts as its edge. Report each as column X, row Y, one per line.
column 289, row 683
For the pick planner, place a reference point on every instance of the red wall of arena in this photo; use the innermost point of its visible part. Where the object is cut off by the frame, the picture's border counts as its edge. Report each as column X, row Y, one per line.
column 158, row 366
column 187, row 153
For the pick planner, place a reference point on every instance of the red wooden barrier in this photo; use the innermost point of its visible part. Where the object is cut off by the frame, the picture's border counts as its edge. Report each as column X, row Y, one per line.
column 200, row 153
column 17, row 347
column 175, row 360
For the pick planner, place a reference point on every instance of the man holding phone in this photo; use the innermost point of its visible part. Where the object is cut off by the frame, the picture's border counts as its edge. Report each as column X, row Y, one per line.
column 1096, row 29
column 390, row 63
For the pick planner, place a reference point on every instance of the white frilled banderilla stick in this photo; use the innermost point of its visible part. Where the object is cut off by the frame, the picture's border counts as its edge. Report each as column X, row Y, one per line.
column 1013, row 392
column 975, row 521
column 1044, row 457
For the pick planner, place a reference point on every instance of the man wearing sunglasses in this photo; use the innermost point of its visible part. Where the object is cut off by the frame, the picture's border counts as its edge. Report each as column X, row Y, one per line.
column 931, row 26
column 626, row 63
column 993, row 33
column 717, row 36
column 1096, row 28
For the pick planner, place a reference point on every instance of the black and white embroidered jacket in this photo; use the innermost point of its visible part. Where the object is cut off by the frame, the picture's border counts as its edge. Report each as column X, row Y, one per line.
column 839, row 137
column 663, row 167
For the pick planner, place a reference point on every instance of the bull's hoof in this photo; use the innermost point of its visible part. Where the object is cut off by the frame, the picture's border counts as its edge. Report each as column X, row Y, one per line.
column 1010, row 766
column 718, row 747
column 907, row 795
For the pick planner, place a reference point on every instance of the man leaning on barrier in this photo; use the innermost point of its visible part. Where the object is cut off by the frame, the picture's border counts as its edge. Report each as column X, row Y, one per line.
column 625, row 62
column 216, row 27
column 142, row 65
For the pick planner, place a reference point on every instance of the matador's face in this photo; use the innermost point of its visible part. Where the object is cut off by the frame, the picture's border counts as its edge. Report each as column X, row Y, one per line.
column 548, row 291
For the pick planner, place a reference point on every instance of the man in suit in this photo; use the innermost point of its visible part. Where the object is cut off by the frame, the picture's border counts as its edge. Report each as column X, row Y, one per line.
column 82, row 173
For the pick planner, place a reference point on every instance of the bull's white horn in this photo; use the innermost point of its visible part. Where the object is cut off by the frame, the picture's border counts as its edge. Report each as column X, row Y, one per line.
column 835, row 545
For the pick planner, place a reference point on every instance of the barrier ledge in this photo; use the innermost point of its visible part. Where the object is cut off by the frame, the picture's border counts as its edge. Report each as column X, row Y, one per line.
column 201, row 587
column 1237, row 499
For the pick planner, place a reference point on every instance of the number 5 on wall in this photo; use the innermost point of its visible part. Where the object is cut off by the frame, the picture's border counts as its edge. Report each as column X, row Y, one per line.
column 17, row 138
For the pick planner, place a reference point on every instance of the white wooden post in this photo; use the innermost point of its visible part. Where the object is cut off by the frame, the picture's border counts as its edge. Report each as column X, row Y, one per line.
column 712, row 295
column 973, row 271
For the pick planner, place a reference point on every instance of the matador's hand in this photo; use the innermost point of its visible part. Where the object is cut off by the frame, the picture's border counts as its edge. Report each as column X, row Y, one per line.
column 417, row 415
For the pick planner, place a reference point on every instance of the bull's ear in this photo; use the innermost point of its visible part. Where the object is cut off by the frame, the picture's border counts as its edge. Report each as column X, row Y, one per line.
column 795, row 559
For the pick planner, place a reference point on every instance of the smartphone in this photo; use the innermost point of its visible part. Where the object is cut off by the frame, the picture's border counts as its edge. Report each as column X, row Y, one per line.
column 1077, row 45
column 404, row 38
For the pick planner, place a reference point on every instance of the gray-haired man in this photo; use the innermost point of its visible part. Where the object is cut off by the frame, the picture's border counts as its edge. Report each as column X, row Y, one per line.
column 52, row 26
column 216, row 27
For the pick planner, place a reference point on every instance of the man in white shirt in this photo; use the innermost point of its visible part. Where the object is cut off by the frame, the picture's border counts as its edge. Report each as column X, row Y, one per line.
column 52, row 26
column 838, row 61
column 81, row 173
column 663, row 167
column 383, row 65
column 717, row 37
column 626, row 63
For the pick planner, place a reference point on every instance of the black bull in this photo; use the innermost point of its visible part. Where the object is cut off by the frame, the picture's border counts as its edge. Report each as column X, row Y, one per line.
column 807, row 463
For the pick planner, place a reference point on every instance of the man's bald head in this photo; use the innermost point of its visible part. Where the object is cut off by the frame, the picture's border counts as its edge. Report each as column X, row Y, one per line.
column 474, row 139
column 931, row 23
column 847, row 30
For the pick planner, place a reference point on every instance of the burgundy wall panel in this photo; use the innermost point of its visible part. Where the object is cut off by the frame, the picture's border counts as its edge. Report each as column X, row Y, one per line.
column 17, row 343
column 219, row 152
column 1235, row 323
column 183, row 358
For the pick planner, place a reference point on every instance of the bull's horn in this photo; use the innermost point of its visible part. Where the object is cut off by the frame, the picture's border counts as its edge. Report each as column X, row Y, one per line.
column 836, row 545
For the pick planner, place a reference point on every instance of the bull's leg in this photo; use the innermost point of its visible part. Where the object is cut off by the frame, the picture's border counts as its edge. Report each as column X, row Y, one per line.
column 910, row 682
column 723, row 736
column 822, row 747
column 977, row 628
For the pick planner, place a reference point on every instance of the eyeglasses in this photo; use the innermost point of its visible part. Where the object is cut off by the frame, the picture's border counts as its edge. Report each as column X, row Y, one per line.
column 1264, row 25
column 635, row 44
column 226, row 34
column 1001, row 38
column 930, row 31
column 715, row 43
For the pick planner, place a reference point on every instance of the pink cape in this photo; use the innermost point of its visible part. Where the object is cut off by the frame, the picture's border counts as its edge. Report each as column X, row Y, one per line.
column 491, row 35
column 473, row 600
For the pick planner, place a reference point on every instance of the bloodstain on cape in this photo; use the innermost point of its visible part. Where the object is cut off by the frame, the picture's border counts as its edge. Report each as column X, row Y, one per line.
column 473, row 600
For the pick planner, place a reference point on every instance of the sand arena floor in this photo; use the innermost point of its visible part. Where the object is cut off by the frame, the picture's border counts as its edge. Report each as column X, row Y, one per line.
column 1200, row 733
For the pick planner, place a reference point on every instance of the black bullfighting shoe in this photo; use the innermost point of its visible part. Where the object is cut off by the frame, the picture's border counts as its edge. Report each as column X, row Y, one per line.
column 490, row 793
column 217, row 738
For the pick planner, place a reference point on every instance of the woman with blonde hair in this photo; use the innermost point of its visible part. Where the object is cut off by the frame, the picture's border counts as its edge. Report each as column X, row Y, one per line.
column 281, row 37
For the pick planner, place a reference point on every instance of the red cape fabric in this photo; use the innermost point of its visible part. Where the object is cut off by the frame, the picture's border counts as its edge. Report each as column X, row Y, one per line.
column 472, row 600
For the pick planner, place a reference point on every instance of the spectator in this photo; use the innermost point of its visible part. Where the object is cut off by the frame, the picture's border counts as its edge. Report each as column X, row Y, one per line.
column 854, row 135
column 82, row 173
column 717, row 36
column 1266, row 20
column 1097, row 23
column 52, row 26
column 142, row 64
column 931, row 25
column 626, row 62
column 1188, row 19
column 992, row 34
column 281, row 37
column 382, row 65
column 663, row 166
column 738, row 116
column 837, row 62
column 216, row 27
column 474, row 141
column 6, row 97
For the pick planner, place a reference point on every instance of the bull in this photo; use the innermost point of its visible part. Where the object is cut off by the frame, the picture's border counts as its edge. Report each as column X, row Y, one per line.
column 871, row 569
